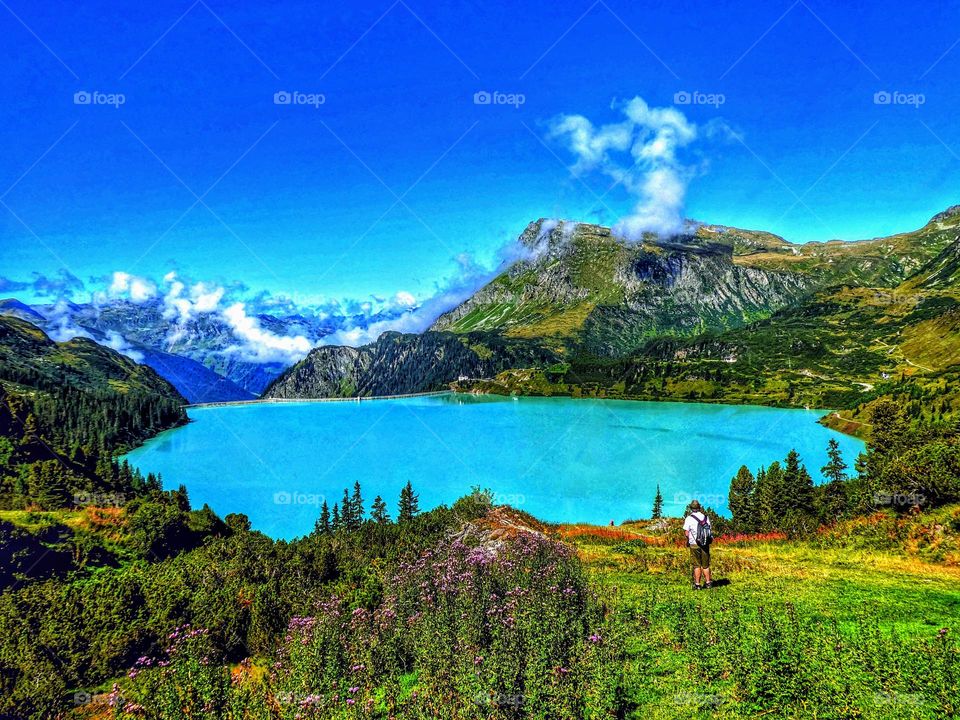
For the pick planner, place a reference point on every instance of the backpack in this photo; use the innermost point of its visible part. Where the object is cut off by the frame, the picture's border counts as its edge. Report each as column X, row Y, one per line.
column 704, row 533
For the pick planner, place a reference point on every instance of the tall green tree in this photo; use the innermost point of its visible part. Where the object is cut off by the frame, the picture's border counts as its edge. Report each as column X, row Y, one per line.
column 836, row 469
column 740, row 500
column 322, row 525
column 347, row 517
column 769, row 504
column 378, row 511
column 797, row 485
column 356, row 505
column 657, row 505
column 409, row 504
column 832, row 499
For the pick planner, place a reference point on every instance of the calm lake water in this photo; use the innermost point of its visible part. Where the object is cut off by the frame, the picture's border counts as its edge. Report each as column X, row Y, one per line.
column 557, row 458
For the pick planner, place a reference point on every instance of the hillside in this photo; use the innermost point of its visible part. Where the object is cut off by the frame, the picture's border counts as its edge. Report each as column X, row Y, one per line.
column 720, row 314
column 29, row 359
column 399, row 364
column 66, row 409
column 585, row 290
column 477, row 612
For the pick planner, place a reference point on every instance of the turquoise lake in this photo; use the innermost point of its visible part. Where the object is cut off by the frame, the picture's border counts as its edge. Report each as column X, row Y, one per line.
column 557, row 458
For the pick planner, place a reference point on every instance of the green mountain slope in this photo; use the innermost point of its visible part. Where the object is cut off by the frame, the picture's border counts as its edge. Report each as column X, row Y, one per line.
column 724, row 314
column 398, row 363
column 583, row 289
column 25, row 350
column 66, row 409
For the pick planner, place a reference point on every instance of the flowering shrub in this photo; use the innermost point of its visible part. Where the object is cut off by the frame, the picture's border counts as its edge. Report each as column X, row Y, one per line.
column 489, row 631
column 504, row 629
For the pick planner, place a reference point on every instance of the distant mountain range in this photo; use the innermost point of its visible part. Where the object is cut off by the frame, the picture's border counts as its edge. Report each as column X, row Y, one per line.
column 735, row 314
column 586, row 312
column 198, row 355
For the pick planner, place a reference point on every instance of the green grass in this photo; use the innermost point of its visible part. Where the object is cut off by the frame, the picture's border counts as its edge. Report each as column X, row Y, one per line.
column 850, row 590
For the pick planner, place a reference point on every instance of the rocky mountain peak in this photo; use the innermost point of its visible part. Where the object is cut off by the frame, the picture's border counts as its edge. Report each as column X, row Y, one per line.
column 949, row 216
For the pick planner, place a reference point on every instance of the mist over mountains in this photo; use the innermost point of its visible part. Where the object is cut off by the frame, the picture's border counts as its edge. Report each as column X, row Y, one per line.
column 563, row 290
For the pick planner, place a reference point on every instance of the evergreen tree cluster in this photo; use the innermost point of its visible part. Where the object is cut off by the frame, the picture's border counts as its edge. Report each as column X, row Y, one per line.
column 66, row 412
column 781, row 497
column 349, row 515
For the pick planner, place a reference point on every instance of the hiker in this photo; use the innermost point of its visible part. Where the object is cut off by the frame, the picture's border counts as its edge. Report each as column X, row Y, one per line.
column 699, row 536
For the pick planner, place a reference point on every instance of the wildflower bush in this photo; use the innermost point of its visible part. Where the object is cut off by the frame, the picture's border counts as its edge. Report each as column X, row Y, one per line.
column 501, row 629
column 486, row 631
column 933, row 536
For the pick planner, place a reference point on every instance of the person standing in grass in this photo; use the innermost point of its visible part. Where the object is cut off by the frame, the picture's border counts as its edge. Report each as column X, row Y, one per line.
column 696, row 526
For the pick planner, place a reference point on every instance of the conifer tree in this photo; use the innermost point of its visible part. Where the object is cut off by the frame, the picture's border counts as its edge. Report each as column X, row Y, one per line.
column 657, row 505
column 378, row 511
column 409, row 503
column 336, row 524
column 346, row 511
column 323, row 522
column 769, row 494
column 356, row 505
column 740, row 500
column 797, row 485
column 835, row 469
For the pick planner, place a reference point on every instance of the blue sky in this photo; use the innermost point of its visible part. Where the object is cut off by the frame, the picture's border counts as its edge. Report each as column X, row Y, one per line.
column 399, row 172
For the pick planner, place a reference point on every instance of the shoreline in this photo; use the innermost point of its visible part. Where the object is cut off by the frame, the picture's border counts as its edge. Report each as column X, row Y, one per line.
column 280, row 401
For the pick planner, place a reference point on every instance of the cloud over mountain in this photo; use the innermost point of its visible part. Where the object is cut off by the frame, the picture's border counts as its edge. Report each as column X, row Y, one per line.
column 642, row 154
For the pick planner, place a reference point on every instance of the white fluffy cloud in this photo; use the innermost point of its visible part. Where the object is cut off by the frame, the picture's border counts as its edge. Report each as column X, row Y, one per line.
column 61, row 328
column 405, row 299
column 60, row 325
column 137, row 289
column 119, row 343
column 640, row 153
column 182, row 303
column 261, row 345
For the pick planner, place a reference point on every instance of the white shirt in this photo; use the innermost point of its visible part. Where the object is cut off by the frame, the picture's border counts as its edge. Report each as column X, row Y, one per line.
column 690, row 526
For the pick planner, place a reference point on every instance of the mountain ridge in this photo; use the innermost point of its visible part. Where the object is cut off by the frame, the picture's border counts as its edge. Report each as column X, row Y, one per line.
column 579, row 293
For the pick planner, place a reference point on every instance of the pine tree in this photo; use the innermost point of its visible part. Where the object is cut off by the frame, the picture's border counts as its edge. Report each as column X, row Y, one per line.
column 323, row 522
column 833, row 497
column 769, row 494
column 741, row 500
column 835, row 469
column 182, row 498
column 797, row 485
column 346, row 511
column 409, row 504
column 356, row 505
column 657, row 505
column 378, row 511
column 336, row 524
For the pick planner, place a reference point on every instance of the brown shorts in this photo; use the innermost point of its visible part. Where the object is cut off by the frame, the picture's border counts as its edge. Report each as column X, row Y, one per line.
column 700, row 556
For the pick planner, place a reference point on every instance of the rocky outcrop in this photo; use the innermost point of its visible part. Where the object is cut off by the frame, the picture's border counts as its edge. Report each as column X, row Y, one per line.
column 402, row 364
column 607, row 297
